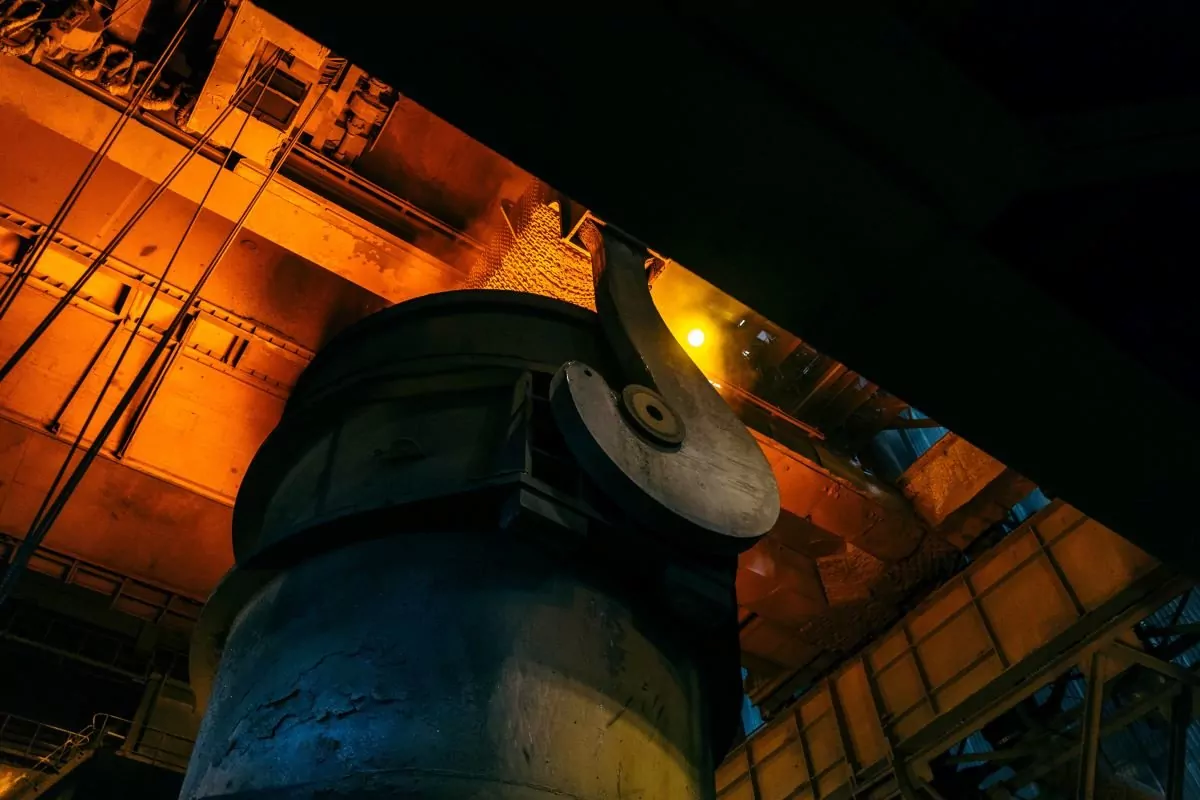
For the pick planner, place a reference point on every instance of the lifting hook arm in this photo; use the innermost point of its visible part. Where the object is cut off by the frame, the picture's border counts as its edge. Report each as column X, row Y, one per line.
column 665, row 447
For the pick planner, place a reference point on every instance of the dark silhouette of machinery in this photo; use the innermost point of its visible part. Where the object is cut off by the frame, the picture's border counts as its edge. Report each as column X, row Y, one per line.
column 467, row 566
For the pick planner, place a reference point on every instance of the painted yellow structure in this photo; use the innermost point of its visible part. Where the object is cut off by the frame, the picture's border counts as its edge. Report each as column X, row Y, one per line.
column 1059, row 586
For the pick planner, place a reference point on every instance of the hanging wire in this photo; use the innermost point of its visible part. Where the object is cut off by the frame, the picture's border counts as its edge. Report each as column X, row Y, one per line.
column 41, row 526
column 24, row 266
column 103, row 256
column 141, row 320
column 116, row 17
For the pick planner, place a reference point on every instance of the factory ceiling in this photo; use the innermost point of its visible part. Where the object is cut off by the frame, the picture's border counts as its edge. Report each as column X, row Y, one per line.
column 383, row 201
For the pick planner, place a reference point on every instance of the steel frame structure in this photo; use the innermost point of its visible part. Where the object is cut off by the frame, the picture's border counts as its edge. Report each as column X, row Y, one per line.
column 970, row 652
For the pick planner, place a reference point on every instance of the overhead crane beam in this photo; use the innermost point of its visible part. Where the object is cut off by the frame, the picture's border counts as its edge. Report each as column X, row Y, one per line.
column 833, row 174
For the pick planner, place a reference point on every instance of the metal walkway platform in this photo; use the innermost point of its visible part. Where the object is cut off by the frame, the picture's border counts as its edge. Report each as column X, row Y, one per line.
column 1055, row 594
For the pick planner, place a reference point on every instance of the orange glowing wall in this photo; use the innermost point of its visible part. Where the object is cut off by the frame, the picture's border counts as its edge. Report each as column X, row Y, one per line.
column 527, row 254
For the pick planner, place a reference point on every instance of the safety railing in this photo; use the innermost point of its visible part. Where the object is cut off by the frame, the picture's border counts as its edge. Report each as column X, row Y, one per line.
column 48, row 748
column 24, row 738
column 144, row 742
column 1060, row 576
column 51, row 749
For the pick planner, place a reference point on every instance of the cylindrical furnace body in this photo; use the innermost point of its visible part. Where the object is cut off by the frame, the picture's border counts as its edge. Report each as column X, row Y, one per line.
column 432, row 600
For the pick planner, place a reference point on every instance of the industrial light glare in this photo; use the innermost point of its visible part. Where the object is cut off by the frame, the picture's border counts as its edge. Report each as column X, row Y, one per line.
column 695, row 337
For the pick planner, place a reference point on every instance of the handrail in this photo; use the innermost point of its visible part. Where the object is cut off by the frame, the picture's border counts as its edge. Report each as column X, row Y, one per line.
column 52, row 747
column 31, row 739
column 171, row 750
column 57, row 759
column 10, row 716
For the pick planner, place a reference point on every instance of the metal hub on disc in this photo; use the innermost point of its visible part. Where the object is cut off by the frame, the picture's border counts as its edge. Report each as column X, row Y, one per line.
column 653, row 417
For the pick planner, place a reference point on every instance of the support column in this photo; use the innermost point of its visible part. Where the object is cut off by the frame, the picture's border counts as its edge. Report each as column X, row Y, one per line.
column 1181, row 720
column 1090, row 729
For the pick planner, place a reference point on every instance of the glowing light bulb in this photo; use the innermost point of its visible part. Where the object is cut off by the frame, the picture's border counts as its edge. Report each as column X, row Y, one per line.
column 695, row 337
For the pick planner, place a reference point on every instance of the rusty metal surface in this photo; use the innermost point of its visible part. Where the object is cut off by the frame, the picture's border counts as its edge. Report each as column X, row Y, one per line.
column 865, row 592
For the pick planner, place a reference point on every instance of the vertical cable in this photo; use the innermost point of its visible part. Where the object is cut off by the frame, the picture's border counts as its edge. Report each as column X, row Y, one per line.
column 41, row 527
column 101, row 258
column 31, row 256
column 141, row 320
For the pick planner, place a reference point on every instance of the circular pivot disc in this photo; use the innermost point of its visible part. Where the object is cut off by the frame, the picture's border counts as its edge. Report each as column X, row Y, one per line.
column 652, row 416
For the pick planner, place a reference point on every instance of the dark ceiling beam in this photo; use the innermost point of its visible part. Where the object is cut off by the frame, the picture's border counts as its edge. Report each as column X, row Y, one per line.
column 1123, row 144
column 744, row 175
column 876, row 85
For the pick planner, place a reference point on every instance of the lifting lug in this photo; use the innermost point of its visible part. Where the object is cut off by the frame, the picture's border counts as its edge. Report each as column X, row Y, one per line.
column 664, row 446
